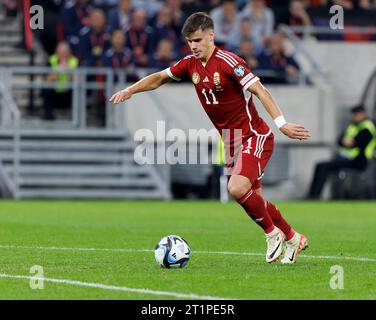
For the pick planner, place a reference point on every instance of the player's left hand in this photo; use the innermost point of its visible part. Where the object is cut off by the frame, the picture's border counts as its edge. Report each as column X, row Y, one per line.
column 295, row 131
column 121, row 96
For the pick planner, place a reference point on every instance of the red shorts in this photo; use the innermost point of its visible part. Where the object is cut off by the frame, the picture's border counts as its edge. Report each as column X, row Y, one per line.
column 255, row 154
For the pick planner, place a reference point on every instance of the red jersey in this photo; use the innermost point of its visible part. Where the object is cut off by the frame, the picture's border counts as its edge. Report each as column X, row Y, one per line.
column 220, row 85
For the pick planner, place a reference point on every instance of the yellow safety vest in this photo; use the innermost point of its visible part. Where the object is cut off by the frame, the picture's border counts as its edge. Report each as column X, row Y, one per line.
column 62, row 81
column 351, row 132
column 220, row 160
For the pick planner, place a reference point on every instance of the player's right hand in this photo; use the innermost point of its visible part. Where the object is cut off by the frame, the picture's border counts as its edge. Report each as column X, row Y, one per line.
column 121, row 96
column 295, row 131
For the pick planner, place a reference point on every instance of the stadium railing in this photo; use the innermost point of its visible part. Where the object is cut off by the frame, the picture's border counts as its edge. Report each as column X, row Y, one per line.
column 308, row 31
column 82, row 80
column 299, row 47
column 80, row 83
column 10, row 119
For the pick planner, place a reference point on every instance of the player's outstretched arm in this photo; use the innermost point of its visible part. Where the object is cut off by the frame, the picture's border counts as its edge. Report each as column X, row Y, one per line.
column 292, row 130
column 150, row 82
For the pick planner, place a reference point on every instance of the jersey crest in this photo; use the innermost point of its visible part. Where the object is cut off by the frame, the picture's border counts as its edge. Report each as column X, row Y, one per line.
column 216, row 78
column 217, row 81
column 195, row 78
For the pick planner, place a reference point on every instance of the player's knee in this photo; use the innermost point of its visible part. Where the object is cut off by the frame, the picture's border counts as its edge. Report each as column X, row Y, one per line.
column 237, row 190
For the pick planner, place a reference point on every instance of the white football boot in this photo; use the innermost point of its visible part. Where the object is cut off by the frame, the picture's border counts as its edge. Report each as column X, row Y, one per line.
column 293, row 246
column 274, row 241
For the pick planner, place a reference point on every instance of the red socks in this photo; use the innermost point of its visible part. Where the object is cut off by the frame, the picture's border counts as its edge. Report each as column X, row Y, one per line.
column 265, row 213
column 254, row 205
column 279, row 221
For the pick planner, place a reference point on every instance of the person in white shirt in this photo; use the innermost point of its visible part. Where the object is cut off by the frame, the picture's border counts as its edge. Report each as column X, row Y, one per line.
column 225, row 19
column 261, row 18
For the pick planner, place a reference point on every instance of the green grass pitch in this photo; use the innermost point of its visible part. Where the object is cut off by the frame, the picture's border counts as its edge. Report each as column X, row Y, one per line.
column 54, row 235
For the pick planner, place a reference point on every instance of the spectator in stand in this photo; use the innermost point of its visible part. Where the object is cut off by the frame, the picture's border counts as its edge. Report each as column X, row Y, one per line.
column 225, row 20
column 178, row 15
column 105, row 5
column 241, row 3
column 317, row 3
column 363, row 4
column 356, row 148
column 139, row 38
column 274, row 58
column 368, row 4
column 10, row 7
column 297, row 16
column 165, row 55
column 74, row 16
column 192, row 6
column 346, row 4
column 163, row 28
column 151, row 7
column 47, row 35
column 94, row 40
column 245, row 32
column 246, row 51
column 61, row 95
column 118, row 56
column 120, row 17
column 261, row 18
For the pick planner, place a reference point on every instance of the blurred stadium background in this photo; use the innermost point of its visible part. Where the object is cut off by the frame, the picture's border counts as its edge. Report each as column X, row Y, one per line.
column 61, row 138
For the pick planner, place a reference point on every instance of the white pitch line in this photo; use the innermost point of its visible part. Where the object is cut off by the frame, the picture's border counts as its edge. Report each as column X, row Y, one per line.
column 300, row 256
column 363, row 259
column 75, row 248
column 116, row 288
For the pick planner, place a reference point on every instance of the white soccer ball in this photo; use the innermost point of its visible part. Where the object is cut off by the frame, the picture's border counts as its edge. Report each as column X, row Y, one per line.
column 172, row 252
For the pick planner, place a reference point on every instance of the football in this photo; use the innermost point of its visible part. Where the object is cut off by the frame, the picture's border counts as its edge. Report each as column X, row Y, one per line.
column 172, row 252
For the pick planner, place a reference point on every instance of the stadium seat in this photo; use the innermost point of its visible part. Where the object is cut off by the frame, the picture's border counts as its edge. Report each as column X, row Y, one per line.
column 355, row 184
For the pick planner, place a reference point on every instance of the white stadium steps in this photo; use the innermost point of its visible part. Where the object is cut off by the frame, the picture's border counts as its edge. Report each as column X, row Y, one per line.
column 10, row 39
column 87, row 164
column 78, row 193
column 66, row 163
column 66, row 169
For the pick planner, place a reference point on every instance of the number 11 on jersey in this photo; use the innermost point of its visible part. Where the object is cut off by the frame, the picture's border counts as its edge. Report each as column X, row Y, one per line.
column 215, row 101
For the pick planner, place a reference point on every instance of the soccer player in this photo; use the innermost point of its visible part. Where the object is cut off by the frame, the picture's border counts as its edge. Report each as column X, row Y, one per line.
column 221, row 79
